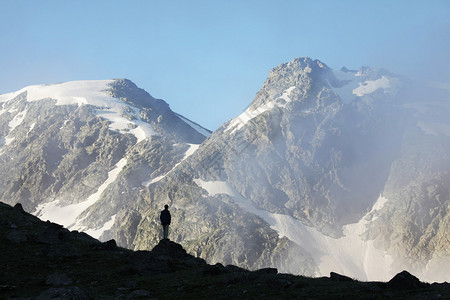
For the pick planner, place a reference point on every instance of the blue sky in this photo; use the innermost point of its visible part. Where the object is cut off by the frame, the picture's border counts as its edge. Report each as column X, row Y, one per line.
column 208, row 59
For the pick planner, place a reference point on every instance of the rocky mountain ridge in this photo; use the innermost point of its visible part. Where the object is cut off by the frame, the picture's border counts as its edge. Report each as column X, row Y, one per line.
column 43, row 260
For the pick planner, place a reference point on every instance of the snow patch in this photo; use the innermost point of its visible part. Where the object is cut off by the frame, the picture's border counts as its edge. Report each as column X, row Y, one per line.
column 350, row 254
column 96, row 233
column 247, row 115
column 17, row 120
column 67, row 93
column 31, row 128
column 195, row 126
column 3, row 110
column 349, row 83
column 143, row 130
column 156, row 179
column 68, row 216
column 9, row 140
column 370, row 86
column 125, row 119
column 192, row 148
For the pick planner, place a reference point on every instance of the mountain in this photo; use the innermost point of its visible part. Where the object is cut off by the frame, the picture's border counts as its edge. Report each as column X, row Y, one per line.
column 43, row 260
column 78, row 152
column 325, row 171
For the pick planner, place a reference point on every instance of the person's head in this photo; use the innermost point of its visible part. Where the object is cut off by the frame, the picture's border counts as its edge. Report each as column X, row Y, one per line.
column 166, row 207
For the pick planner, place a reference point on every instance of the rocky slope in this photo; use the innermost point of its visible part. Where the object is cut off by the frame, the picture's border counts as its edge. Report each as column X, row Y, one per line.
column 43, row 260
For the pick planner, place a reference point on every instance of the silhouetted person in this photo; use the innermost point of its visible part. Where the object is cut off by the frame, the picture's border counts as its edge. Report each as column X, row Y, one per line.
column 165, row 221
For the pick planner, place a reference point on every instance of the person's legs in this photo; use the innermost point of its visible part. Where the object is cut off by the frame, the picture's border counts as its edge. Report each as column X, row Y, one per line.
column 165, row 232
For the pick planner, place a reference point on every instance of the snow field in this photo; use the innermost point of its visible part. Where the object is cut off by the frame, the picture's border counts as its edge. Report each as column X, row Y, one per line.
column 92, row 92
column 371, row 86
column 355, row 87
column 68, row 216
column 96, row 233
column 197, row 127
column 349, row 255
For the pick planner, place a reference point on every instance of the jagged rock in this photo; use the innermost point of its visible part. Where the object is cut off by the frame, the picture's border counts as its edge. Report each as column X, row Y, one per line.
column 19, row 207
column 267, row 271
column 109, row 245
column 338, row 277
column 405, row 281
column 169, row 249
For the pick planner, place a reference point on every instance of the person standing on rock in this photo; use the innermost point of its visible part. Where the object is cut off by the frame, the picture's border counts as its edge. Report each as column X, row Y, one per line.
column 165, row 221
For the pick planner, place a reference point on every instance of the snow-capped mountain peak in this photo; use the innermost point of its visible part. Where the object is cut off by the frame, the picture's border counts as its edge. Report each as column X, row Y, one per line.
column 93, row 92
column 124, row 117
column 86, row 137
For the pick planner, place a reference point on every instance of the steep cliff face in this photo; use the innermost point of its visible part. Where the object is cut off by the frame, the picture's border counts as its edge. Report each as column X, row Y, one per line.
column 310, row 154
column 415, row 223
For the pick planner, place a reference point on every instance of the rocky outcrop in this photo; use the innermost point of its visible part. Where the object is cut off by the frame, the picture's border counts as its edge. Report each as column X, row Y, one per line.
column 76, row 266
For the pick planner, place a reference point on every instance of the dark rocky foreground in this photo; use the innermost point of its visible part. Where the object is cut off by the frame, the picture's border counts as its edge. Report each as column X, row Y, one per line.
column 43, row 260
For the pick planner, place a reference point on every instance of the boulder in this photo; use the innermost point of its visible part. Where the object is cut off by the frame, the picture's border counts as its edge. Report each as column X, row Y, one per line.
column 338, row 277
column 405, row 281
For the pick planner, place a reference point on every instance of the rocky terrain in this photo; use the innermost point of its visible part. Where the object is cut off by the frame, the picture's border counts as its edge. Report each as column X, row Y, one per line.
column 327, row 170
column 44, row 260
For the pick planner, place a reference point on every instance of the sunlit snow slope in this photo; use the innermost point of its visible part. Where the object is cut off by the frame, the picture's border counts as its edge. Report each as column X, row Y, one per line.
column 92, row 92
column 350, row 254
